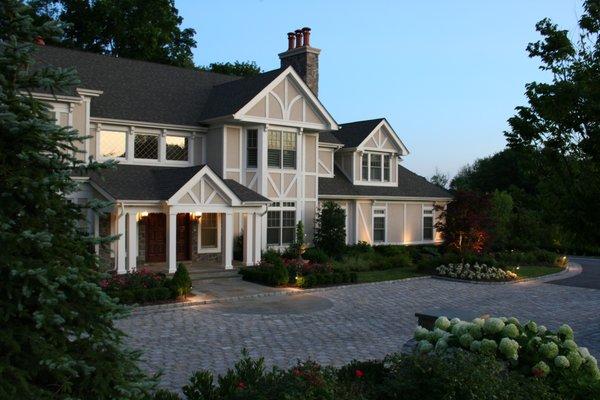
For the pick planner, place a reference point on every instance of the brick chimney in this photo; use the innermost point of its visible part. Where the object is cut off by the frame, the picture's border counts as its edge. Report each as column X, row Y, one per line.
column 303, row 57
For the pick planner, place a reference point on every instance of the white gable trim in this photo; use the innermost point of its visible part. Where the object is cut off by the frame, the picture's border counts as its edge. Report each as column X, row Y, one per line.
column 403, row 150
column 289, row 71
column 209, row 173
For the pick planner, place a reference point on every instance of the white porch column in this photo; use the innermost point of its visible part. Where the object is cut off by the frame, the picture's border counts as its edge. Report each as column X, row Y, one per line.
column 132, row 241
column 257, row 238
column 248, row 239
column 172, row 242
column 228, row 240
column 120, row 256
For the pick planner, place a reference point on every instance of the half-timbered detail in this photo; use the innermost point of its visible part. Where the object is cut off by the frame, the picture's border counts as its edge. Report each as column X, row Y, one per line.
column 205, row 160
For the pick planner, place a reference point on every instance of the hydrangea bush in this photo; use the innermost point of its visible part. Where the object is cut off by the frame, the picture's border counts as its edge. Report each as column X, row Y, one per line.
column 476, row 272
column 528, row 348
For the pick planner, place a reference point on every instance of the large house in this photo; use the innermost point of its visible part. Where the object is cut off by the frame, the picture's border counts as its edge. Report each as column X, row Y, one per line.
column 204, row 158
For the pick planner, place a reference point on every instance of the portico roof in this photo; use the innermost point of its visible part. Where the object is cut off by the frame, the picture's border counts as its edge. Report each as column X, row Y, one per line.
column 142, row 182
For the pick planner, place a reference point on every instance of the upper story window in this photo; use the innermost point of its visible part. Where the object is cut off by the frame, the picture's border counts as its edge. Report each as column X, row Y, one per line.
column 282, row 149
column 177, row 148
column 113, row 144
column 145, row 146
column 252, row 148
column 376, row 167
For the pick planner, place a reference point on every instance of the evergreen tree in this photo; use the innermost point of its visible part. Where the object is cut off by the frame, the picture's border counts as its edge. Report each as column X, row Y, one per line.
column 57, row 335
column 330, row 229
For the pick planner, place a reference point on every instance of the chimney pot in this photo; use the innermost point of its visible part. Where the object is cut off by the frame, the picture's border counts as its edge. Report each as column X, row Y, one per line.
column 298, row 38
column 306, row 35
column 291, row 40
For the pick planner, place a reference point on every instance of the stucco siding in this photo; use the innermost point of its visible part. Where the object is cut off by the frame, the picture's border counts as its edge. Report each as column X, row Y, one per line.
column 234, row 135
column 414, row 223
column 395, row 222
column 365, row 230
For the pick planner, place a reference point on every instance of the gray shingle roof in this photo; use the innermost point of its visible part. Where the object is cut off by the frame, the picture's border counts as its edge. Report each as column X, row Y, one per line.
column 144, row 91
column 352, row 134
column 142, row 182
column 328, row 137
column 409, row 185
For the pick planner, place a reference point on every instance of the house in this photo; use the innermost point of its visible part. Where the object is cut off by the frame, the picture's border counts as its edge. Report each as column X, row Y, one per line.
column 204, row 157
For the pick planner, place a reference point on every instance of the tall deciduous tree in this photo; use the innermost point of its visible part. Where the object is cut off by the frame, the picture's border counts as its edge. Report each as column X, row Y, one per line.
column 57, row 335
column 237, row 68
column 562, row 122
column 140, row 29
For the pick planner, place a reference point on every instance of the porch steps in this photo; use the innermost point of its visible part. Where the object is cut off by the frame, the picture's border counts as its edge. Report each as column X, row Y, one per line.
column 200, row 274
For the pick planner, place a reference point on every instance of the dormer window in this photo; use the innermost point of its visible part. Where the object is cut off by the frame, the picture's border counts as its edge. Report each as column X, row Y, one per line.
column 376, row 167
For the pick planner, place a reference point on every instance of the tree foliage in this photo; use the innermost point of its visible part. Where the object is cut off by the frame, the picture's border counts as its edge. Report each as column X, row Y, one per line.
column 58, row 338
column 440, row 179
column 330, row 229
column 237, row 68
column 465, row 222
column 147, row 30
column 562, row 122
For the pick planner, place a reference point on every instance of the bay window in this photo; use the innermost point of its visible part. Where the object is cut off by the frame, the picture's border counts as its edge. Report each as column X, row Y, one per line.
column 177, row 148
column 145, row 146
column 113, row 144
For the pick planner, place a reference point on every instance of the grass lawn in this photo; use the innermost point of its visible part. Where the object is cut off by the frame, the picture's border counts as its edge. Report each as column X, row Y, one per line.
column 532, row 271
column 387, row 275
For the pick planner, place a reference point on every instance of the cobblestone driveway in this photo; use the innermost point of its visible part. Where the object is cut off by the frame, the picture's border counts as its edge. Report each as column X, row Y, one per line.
column 340, row 324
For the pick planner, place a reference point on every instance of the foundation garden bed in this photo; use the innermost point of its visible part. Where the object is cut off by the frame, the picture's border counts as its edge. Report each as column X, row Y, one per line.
column 145, row 287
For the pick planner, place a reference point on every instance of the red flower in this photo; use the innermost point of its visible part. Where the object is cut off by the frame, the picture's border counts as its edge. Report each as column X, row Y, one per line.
column 297, row 372
column 358, row 373
column 538, row 372
column 241, row 385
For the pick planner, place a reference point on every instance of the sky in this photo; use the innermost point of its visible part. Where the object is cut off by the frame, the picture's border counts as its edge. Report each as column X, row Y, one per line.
column 446, row 74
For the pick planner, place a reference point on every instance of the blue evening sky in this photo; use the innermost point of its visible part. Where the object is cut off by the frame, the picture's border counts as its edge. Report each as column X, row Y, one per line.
column 446, row 74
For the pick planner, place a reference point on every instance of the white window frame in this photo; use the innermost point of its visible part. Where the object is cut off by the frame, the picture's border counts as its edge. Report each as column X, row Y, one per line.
column 385, row 227
column 209, row 250
column 99, row 130
column 280, row 207
column 370, row 155
column 280, row 132
column 164, row 144
column 424, row 209
column 258, row 153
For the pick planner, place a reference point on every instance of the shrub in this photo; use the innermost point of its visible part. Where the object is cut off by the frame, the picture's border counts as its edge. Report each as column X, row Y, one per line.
column 528, row 349
column 398, row 260
column 271, row 271
column 360, row 248
column 181, row 283
column 353, row 263
column 475, row 272
column 271, row 256
column 316, row 255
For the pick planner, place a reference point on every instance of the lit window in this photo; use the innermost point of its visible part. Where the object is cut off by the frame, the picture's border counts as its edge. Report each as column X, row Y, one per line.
column 145, row 147
column 252, row 148
column 113, row 144
column 209, row 231
column 177, row 148
column 379, row 225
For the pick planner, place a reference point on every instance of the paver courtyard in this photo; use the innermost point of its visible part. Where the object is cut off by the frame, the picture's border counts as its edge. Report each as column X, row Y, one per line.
column 336, row 325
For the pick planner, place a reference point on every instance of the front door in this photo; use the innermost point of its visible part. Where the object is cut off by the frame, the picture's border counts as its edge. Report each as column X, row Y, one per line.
column 183, row 237
column 156, row 238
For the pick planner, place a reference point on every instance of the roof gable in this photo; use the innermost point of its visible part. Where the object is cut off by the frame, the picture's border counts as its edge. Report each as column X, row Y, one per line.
column 374, row 134
column 287, row 99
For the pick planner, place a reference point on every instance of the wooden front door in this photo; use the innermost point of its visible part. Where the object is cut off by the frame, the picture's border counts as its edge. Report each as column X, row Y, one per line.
column 183, row 237
column 156, row 238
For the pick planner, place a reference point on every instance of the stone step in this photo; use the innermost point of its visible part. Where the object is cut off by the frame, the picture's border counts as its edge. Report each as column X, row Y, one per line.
column 213, row 274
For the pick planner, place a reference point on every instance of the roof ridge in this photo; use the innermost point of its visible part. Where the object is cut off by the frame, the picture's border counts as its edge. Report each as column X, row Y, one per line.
column 110, row 56
column 362, row 121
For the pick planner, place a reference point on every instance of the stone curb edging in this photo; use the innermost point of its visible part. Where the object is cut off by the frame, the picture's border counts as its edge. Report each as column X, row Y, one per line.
column 140, row 310
column 571, row 267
